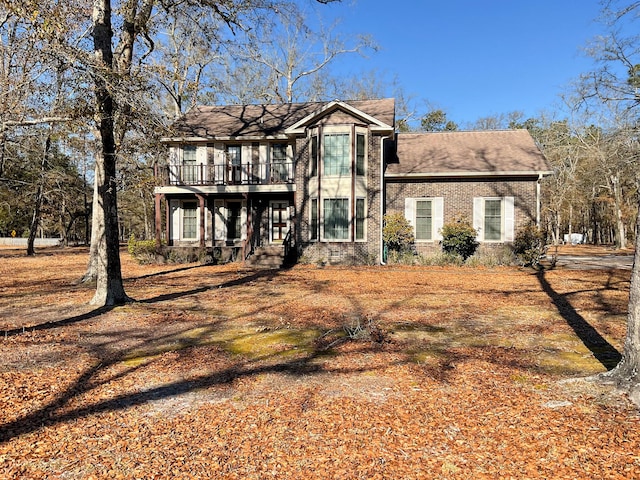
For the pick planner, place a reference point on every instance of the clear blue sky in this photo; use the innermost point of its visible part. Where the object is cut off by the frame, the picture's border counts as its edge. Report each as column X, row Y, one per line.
column 474, row 58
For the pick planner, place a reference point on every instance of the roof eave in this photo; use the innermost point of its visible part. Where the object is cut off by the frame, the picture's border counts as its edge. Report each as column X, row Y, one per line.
column 519, row 173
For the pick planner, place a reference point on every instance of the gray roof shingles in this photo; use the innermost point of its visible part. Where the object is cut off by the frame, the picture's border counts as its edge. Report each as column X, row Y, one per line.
column 264, row 120
column 473, row 152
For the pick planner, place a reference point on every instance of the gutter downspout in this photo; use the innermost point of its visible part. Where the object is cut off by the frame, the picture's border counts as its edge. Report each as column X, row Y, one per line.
column 382, row 196
column 538, row 199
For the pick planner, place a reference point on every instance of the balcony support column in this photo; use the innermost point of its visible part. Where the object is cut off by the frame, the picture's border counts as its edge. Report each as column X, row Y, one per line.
column 201, row 204
column 158, row 220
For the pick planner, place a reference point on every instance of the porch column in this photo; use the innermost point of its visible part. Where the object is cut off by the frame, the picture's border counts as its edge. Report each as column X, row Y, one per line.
column 202, row 218
column 167, row 225
column 158, row 221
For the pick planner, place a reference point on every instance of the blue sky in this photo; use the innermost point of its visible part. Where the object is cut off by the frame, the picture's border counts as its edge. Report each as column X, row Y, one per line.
column 474, row 58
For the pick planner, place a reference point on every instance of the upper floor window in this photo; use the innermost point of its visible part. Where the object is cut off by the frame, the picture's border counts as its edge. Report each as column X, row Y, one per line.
column 234, row 154
column 360, row 154
column 189, row 172
column 336, row 154
column 313, row 161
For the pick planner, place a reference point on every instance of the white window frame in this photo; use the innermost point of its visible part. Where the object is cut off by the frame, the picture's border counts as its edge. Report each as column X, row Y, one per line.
column 183, row 209
column 437, row 216
column 507, row 218
column 323, row 218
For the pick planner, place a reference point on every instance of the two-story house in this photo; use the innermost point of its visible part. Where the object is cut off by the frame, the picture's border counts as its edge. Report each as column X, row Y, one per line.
column 316, row 179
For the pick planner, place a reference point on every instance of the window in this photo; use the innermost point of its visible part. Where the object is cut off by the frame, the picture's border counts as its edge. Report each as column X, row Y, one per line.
column 360, row 219
column 234, row 162
column 336, row 154
column 279, row 167
column 313, row 226
column 336, row 219
column 234, row 224
column 424, row 220
column 189, row 220
column 360, row 156
column 492, row 219
column 313, row 168
column 426, row 216
column 189, row 172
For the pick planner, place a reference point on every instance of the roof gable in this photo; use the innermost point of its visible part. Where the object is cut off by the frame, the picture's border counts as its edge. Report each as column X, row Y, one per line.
column 474, row 153
column 347, row 108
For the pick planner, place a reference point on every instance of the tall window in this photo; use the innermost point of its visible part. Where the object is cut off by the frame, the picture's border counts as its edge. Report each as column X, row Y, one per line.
column 279, row 167
column 234, row 160
column 234, row 226
column 492, row 219
column 336, row 218
column 424, row 220
column 189, row 173
column 313, row 227
column 360, row 157
column 336, row 154
column 189, row 220
column 313, row 169
column 359, row 218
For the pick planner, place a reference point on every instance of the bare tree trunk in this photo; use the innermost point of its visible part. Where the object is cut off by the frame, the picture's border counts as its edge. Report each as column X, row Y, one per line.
column 627, row 373
column 109, row 285
column 91, row 274
column 37, row 207
column 621, row 233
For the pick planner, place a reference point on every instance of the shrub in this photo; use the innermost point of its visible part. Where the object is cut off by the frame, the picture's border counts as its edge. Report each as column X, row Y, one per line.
column 144, row 251
column 459, row 237
column 529, row 246
column 397, row 232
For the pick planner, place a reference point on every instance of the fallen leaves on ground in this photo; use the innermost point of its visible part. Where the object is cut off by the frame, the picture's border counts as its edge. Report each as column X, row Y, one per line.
column 350, row 373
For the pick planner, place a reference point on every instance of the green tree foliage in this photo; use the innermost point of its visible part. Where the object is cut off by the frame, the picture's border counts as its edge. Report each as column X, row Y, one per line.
column 436, row 121
column 397, row 232
column 459, row 237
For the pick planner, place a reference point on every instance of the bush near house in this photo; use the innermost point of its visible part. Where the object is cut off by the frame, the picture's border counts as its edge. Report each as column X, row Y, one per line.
column 397, row 232
column 459, row 237
column 529, row 246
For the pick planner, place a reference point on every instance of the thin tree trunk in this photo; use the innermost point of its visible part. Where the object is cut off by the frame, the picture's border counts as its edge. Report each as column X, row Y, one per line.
column 37, row 207
column 617, row 206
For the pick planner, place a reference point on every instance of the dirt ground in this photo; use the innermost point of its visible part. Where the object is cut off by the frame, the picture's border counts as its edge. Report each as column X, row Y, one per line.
column 353, row 373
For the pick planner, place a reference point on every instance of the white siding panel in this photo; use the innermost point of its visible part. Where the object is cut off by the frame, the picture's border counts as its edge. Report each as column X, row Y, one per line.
column 410, row 211
column 174, row 206
column 219, row 223
column 438, row 217
column 509, row 219
column 478, row 217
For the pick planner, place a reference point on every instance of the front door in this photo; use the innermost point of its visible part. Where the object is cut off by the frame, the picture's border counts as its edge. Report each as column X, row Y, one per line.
column 279, row 221
column 234, row 219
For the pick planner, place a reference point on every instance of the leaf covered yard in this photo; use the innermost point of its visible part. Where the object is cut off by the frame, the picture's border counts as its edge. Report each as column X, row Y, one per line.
column 351, row 373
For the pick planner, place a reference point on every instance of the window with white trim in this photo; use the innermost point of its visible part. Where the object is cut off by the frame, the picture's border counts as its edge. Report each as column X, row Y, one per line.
column 426, row 216
column 493, row 218
column 189, row 168
column 360, row 218
column 336, row 161
column 190, row 220
column 336, row 219
column 313, row 226
column 360, row 154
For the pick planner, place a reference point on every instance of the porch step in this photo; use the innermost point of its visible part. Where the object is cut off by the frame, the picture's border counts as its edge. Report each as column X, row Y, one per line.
column 271, row 256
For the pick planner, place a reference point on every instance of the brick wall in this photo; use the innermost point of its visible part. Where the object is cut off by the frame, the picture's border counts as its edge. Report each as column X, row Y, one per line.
column 458, row 197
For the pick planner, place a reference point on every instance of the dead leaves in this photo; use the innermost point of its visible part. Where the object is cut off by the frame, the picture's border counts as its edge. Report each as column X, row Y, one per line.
column 271, row 378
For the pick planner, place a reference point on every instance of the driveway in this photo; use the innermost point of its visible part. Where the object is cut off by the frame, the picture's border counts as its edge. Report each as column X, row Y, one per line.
column 590, row 262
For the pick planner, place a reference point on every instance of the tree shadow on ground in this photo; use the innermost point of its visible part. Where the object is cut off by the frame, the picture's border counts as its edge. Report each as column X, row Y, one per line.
column 602, row 350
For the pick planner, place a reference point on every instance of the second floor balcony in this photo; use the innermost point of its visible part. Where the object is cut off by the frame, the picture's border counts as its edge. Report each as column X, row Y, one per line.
column 228, row 174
